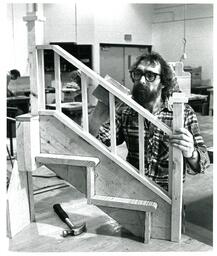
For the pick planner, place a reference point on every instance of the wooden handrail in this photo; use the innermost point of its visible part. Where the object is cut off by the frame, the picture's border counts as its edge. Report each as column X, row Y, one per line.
column 112, row 89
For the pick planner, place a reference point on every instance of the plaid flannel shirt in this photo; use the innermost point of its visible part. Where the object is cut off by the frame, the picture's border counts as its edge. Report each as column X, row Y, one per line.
column 155, row 140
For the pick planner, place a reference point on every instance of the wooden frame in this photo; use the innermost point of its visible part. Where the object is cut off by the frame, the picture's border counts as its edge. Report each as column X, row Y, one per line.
column 175, row 156
column 37, row 101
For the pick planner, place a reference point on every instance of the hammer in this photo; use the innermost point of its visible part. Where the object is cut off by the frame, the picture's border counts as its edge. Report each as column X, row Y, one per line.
column 75, row 230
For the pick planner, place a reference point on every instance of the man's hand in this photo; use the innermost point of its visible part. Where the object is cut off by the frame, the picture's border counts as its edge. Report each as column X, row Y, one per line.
column 183, row 140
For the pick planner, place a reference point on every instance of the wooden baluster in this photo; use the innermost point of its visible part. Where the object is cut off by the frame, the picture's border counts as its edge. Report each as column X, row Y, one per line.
column 141, row 146
column 170, row 168
column 41, row 81
column 177, row 173
column 112, row 122
column 84, row 85
column 57, row 81
column 34, row 85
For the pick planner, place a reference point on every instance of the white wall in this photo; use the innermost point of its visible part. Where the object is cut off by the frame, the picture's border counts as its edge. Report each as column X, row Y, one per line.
column 168, row 33
column 106, row 23
column 16, row 38
column 60, row 23
column 113, row 21
column 89, row 23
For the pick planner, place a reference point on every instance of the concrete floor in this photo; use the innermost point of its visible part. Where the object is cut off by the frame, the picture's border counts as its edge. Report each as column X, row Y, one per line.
column 198, row 193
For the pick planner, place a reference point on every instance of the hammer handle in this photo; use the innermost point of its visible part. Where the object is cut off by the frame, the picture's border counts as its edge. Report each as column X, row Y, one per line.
column 60, row 212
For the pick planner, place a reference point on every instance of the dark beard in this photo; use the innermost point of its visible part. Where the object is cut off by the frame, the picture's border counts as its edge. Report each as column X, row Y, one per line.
column 143, row 96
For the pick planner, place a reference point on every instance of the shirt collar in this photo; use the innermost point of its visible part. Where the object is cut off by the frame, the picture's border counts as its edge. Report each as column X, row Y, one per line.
column 166, row 105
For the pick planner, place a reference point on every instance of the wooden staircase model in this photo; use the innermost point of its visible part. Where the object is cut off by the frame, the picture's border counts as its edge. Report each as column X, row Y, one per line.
column 51, row 138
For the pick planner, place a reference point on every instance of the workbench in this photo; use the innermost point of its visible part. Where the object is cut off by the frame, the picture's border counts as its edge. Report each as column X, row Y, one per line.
column 204, row 90
column 199, row 103
column 21, row 102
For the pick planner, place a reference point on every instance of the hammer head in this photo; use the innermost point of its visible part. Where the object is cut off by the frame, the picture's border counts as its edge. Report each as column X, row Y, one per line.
column 75, row 231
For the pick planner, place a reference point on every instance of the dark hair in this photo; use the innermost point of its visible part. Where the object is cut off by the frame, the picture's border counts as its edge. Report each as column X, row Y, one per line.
column 168, row 78
column 75, row 75
column 14, row 73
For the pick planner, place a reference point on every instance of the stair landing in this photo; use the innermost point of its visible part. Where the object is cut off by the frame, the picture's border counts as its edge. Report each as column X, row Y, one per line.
column 103, row 233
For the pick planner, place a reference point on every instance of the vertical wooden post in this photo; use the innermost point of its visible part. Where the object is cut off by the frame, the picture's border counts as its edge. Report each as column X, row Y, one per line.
column 41, row 80
column 35, row 36
column 141, row 146
column 112, row 122
column 178, row 100
column 170, row 167
column 90, row 183
column 84, row 102
column 21, row 189
column 58, row 85
column 147, row 233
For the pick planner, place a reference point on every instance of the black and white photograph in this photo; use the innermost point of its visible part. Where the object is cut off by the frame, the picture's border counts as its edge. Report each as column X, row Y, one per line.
column 109, row 126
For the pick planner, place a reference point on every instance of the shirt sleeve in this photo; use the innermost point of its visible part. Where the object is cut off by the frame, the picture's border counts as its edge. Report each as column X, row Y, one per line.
column 191, row 123
column 104, row 133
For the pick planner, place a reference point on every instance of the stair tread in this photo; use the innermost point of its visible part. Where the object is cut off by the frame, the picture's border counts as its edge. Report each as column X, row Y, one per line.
column 67, row 160
column 126, row 203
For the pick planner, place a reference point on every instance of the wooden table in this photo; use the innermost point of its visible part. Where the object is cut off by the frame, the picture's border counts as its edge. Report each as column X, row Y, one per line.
column 16, row 105
column 204, row 90
column 21, row 102
column 198, row 102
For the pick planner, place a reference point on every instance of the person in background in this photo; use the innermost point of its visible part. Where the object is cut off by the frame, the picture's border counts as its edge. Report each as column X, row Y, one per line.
column 154, row 82
column 12, row 75
column 75, row 83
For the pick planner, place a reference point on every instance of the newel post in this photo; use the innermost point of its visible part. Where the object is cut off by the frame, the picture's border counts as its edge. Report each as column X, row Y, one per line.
column 34, row 21
column 176, row 175
column 35, row 34
column 20, row 202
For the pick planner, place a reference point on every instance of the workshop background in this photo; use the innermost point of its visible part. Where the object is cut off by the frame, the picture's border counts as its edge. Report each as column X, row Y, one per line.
column 108, row 39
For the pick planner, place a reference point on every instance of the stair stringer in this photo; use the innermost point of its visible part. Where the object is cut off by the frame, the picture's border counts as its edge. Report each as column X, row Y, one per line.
column 110, row 179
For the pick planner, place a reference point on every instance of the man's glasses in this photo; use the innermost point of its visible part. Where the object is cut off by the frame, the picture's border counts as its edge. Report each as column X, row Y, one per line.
column 149, row 75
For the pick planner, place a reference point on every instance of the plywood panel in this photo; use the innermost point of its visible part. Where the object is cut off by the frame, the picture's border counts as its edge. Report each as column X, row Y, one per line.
column 19, row 215
column 111, row 179
column 75, row 175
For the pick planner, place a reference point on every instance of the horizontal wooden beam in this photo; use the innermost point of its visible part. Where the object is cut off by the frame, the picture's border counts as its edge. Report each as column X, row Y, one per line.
column 124, row 203
column 67, row 160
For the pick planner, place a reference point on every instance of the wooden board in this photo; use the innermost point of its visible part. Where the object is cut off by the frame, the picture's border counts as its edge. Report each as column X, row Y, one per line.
column 75, row 175
column 111, row 179
column 19, row 214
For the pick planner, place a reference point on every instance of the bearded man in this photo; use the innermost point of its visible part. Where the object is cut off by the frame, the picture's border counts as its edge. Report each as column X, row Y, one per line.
column 154, row 83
